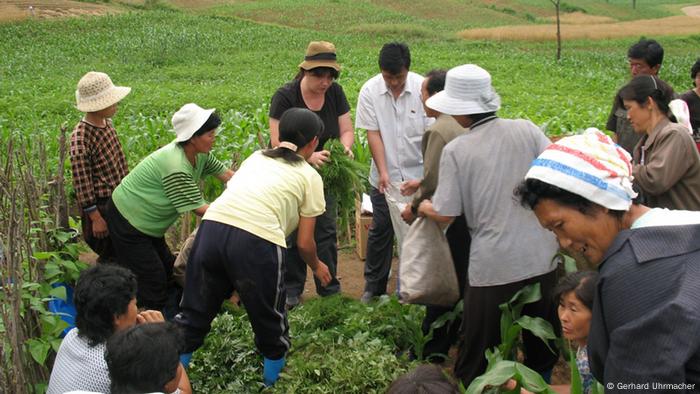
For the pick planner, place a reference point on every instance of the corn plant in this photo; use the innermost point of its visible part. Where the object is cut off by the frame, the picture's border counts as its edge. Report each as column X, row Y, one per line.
column 502, row 360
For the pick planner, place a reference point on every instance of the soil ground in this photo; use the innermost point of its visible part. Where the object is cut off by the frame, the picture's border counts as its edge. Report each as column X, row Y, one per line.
column 350, row 275
column 584, row 27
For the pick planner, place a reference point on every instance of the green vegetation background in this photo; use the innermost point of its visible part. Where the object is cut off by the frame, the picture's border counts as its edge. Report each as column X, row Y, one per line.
column 223, row 58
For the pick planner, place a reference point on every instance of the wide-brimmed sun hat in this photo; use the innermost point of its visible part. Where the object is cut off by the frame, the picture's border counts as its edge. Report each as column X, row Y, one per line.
column 96, row 92
column 590, row 165
column 467, row 91
column 320, row 54
column 188, row 119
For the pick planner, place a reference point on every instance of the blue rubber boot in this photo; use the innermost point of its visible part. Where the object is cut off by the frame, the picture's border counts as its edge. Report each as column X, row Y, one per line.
column 271, row 370
column 185, row 359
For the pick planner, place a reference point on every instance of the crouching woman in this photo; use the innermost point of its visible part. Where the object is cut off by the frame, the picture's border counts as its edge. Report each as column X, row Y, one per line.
column 646, row 309
column 241, row 241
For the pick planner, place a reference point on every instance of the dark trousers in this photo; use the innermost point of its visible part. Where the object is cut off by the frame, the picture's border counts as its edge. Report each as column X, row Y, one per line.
column 101, row 246
column 482, row 326
column 459, row 241
column 149, row 258
column 326, row 239
column 223, row 258
column 380, row 245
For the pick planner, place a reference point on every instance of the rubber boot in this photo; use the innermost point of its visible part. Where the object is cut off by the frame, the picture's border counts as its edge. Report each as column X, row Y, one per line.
column 271, row 370
column 185, row 359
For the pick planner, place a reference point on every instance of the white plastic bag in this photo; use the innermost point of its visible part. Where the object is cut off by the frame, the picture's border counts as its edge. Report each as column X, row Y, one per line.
column 396, row 203
column 427, row 275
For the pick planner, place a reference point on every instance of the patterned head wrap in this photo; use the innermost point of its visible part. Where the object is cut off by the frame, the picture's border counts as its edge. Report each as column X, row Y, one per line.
column 590, row 165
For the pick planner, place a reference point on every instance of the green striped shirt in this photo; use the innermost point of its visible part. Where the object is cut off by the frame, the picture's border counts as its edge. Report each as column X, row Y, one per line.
column 163, row 186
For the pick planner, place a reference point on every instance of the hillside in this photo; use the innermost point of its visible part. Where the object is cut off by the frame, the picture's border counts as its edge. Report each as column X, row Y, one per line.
column 490, row 19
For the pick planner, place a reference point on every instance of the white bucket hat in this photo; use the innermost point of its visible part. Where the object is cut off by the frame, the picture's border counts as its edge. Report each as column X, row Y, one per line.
column 467, row 91
column 97, row 92
column 188, row 119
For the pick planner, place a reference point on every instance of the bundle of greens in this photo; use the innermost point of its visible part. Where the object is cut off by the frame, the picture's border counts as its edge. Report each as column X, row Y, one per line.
column 344, row 179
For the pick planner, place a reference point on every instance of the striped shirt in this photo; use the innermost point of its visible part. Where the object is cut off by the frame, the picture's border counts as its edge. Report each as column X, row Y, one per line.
column 163, row 186
column 97, row 162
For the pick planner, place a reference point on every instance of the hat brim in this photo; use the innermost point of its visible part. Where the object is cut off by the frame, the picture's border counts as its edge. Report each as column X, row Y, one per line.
column 196, row 124
column 445, row 104
column 311, row 64
column 115, row 95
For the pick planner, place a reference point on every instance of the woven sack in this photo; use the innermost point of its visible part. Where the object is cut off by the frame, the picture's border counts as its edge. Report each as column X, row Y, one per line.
column 427, row 275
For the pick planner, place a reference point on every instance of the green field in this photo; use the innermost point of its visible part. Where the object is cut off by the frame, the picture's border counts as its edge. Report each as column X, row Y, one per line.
column 234, row 56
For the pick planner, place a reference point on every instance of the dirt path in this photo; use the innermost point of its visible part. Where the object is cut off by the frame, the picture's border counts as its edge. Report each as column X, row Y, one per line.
column 582, row 26
column 693, row 11
column 14, row 10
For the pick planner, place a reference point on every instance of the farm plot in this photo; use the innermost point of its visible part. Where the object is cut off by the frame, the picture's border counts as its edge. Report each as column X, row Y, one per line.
column 217, row 59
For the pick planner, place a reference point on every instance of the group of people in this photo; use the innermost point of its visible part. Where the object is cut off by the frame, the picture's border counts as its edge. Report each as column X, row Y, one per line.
column 629, row 207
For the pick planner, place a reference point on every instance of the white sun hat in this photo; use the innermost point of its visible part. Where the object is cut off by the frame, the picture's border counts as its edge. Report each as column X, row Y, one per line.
column 188, row 119
column 467, row 91
column 96, row 92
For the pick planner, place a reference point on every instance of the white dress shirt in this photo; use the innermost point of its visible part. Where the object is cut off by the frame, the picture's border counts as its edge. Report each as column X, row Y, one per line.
column 401, row 123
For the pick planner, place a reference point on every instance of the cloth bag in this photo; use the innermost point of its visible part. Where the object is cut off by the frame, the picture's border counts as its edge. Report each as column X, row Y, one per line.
column 427, row 274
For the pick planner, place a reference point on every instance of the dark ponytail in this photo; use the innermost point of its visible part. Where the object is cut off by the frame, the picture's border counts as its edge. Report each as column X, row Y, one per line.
column 643, row 86
column 298, row 126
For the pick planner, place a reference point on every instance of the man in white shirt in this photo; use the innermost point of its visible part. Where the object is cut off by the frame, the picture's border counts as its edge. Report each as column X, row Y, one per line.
column 390, row 109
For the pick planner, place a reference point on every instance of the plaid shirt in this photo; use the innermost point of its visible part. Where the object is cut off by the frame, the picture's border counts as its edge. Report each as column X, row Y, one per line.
column 97, row 161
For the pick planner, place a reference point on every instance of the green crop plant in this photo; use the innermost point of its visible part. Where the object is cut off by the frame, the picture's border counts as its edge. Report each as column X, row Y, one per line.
column 344, row 179
column 338, row 345
column 502, row 360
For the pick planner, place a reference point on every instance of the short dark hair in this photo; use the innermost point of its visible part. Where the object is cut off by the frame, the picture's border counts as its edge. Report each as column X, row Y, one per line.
column 436, row 80
column 427, row 378
column 143, row 358
column 695, row 69
column 102, row 293
column 531, row 191
column 651, row 51
column 582, row 283
column 212, row 123
column 319, row 72
column 643, row 86
column 394, row 56
column 298, row 126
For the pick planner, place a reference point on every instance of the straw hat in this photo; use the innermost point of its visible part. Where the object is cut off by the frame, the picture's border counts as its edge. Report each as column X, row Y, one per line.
column 467, row 91
column 188, row 119
column 320, row 54
column 97, row 92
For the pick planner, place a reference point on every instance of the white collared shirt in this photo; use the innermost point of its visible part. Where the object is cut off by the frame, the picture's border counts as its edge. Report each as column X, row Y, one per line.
column 401, row 123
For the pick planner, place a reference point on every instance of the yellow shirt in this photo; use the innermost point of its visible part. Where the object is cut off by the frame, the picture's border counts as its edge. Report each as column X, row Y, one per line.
column 267, row 196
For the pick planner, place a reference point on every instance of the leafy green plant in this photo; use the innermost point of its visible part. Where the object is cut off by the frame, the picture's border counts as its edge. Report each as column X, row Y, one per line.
column 61, row 266
column 344, row 179
column 502, row 360
column 338, row 345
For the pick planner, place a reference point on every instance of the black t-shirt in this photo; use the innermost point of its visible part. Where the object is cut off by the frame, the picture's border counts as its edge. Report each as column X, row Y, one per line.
column 691, row 98
column 334, row 105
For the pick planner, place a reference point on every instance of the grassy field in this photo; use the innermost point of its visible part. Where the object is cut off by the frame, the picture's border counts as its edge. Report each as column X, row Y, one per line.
column 222, row 61
column 233, row 55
